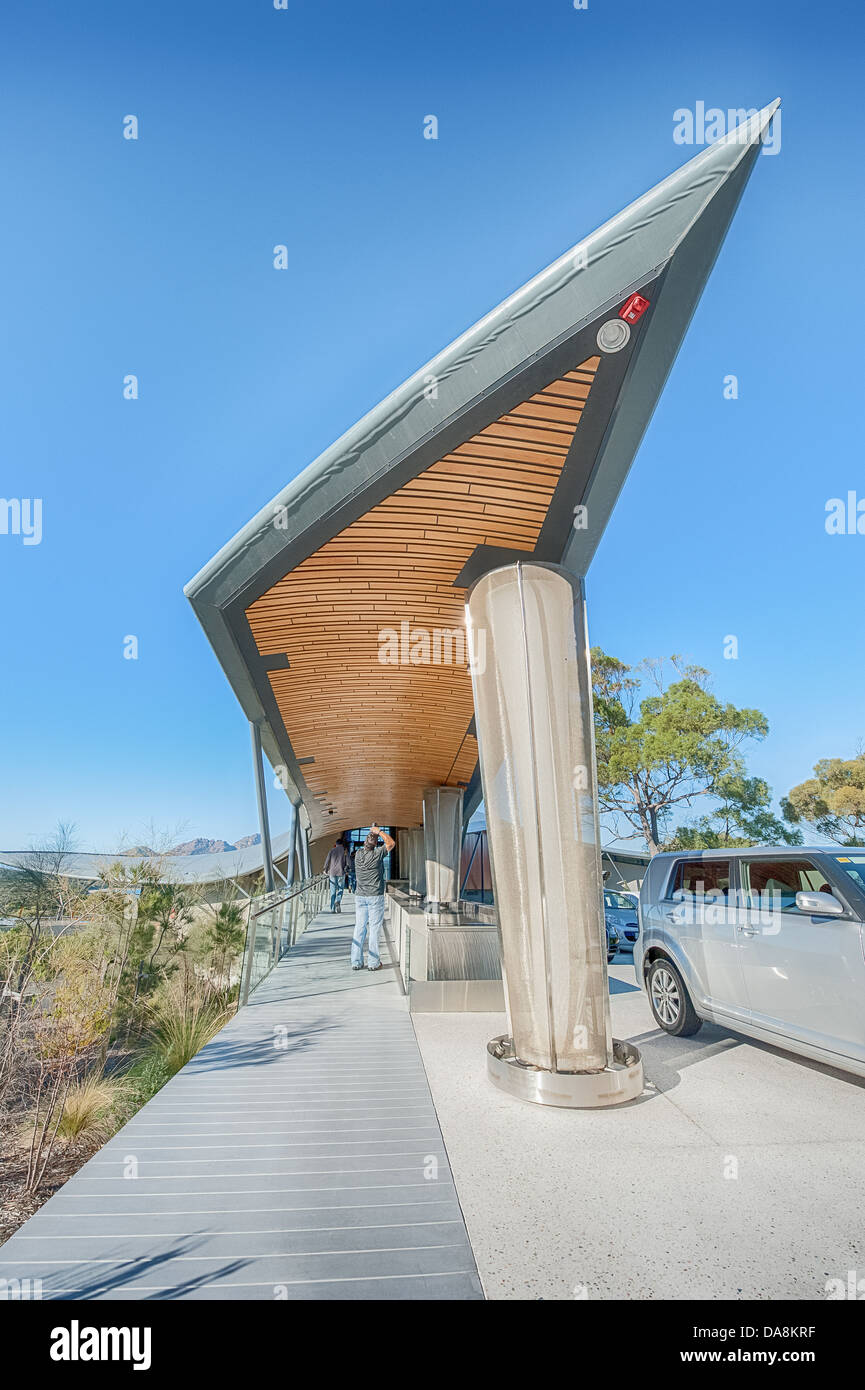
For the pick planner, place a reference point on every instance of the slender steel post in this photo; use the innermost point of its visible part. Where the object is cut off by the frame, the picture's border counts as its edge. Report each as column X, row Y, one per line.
column 248, row 952
column 297, row 853
column 471, row 861
column 483, row 881
column 291, row 868
column 263, row 823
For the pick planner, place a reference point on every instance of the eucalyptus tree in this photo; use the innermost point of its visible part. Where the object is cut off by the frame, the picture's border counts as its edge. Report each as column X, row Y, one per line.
column 663, row 745
column 833, row 800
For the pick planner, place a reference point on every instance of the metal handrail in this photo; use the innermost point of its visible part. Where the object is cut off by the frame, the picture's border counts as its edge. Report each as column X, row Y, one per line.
column 302, row 888
column 314, row 885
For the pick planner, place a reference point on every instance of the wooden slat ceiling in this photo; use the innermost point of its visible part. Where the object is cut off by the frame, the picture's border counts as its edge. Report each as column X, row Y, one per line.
column 381, row 734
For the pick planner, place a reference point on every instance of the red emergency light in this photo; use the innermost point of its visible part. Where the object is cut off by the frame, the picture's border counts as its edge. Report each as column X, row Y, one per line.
column 633, row 308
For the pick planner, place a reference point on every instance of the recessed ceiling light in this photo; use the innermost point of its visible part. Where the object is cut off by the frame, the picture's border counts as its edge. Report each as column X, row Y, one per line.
column 613, row 335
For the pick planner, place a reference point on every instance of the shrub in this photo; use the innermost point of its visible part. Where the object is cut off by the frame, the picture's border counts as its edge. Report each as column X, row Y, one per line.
column 147, row 1075
column 182, row 1019
column 87, row 1109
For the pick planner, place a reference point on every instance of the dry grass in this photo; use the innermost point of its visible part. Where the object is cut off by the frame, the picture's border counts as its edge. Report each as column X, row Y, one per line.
column 87, row 1111
column 182, row 1020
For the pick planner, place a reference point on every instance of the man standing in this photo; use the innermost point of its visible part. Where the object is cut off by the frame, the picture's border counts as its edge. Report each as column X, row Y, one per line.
column 369, row 897
column 335, row 868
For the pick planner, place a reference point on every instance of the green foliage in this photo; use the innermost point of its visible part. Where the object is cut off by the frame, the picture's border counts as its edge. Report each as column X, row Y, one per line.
column 227, row 931
column 676, row 744
column 147, row 1075
column 74, row 1017
column 165, row 912
column 183, row 1018
column 833, row 800
column 145, row 924
column 14, row 943
column 224, row 938
column 743, row 817
column 126, row 967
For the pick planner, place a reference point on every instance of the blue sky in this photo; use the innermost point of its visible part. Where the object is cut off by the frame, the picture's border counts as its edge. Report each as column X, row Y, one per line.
column 304, row 127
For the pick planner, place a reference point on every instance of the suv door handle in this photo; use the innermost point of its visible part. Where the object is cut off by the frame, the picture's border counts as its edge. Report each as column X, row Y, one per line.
column 748, row 931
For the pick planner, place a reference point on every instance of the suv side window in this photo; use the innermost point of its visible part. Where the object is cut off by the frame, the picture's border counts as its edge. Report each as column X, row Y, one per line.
column 773, row 883
column 701, row 877
column 617, row 900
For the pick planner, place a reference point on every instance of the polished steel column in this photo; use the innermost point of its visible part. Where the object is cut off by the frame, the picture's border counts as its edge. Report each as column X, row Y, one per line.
column 443, row 839
column 533, row 706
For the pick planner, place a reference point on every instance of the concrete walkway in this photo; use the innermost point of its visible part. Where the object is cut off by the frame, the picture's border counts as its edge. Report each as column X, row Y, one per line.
column 298, row 1156
column 737, row 1175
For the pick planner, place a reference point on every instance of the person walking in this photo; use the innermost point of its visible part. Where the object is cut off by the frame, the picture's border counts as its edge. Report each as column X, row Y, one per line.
column 335, row 868
column 369, row 897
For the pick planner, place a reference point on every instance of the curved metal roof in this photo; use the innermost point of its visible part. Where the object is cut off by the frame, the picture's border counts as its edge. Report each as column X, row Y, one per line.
column 481, row 455
column 178, row 868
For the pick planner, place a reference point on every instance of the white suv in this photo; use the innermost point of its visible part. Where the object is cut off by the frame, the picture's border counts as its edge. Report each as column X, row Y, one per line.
column 769, row 942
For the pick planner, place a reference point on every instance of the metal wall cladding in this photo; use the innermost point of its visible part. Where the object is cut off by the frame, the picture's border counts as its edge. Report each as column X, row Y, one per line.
column 417, row 878
column 412, row 862
column 443, row 838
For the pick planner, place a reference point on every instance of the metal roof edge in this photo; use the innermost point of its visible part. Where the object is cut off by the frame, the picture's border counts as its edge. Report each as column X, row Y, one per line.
column 552, row 302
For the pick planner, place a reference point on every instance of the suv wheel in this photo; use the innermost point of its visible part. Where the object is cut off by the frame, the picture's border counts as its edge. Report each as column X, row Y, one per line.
column 670, row 1001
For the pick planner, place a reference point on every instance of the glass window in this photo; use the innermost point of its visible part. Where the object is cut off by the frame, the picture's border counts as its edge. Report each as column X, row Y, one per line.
column 854, row 865
column 701, row 877
column 618, row 900
column 773, row 883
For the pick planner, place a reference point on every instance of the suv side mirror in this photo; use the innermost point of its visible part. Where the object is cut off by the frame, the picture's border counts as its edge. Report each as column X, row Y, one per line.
column 819, row 904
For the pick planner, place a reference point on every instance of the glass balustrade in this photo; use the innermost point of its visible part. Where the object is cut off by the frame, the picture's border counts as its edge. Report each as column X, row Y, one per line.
column 276, row 923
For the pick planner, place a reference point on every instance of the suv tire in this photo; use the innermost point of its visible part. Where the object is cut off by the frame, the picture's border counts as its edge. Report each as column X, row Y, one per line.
column 670, row 1001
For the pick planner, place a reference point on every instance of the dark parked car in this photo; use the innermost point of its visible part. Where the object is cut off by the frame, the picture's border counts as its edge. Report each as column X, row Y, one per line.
column 621, row 911
column 612, row 940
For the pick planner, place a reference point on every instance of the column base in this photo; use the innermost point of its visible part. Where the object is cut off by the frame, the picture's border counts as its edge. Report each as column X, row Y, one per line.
column 620, row 1082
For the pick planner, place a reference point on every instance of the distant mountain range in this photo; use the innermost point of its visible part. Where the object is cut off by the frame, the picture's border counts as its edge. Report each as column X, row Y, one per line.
column 200, row 846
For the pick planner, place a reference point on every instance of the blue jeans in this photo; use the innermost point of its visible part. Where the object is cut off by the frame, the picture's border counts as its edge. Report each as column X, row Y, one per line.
column 336, row 891
column 369, row 914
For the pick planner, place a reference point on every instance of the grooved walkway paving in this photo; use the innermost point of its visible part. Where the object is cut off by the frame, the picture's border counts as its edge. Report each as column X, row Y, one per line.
column 298, row 1156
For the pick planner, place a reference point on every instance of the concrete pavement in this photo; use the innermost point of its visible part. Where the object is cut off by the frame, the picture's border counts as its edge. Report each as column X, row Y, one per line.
column 737, row 1175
